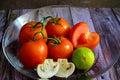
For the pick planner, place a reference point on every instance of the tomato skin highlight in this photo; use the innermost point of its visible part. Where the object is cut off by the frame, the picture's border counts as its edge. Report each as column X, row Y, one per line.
column 58, row 27
column 33, row 53
column 62, row 50
column 27, row 32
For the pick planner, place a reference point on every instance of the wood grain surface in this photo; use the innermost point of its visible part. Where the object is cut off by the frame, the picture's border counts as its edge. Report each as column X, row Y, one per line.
column 102, row 20
column 32, row 4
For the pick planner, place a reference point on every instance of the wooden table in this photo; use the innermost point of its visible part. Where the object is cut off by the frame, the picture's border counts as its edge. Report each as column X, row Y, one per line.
column 32, row 4
column 98, row 18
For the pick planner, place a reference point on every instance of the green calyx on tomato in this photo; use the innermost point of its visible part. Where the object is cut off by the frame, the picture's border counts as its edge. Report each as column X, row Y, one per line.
column 55, row 20
column 56, row 40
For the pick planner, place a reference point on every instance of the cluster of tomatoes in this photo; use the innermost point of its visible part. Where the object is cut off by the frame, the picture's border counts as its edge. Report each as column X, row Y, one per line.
column 53, row 38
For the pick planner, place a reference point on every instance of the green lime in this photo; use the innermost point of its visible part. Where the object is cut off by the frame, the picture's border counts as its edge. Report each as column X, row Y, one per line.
column 83, row 58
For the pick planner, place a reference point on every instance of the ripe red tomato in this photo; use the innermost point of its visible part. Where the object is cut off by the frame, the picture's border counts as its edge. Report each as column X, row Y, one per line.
column 29, row 30
column 62, row 49
column 77, row 30
column 58, row 27
column 89, row 39
column 81, row 37
column 33, row 53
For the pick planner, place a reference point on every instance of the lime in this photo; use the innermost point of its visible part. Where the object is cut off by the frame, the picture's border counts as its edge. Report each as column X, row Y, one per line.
column 83, row 58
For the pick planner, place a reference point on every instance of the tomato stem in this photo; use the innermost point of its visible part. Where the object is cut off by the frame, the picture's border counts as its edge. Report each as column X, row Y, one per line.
column 55, row 20
column 45, row 20
column 42, row 27
column 42, row 32
column 37, row 24
column 56, row 40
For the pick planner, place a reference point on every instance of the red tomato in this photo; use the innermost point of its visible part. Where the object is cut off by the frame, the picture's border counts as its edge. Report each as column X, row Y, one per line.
column 33, row 53
column 81, row 37
column 63, row 49
column 81, row 27
column 58, row 27
column 29, row 30
column 89, row 39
